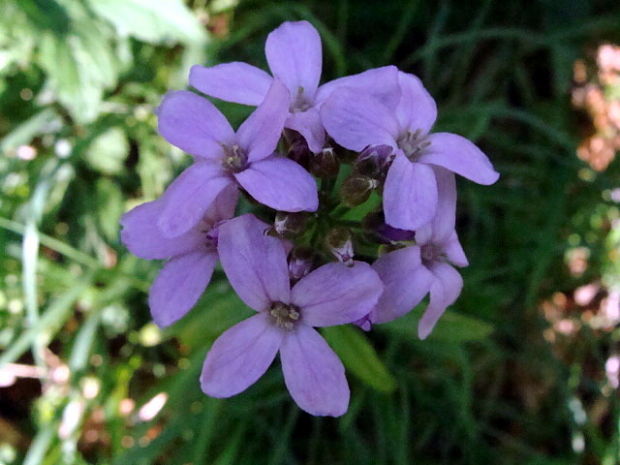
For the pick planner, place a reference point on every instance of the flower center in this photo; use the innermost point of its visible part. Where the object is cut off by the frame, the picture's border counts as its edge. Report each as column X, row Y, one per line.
column 430, row 253
column 413, row 143
column 209, row 231
column 284, row 315
column 300, row 103
column 235, row 158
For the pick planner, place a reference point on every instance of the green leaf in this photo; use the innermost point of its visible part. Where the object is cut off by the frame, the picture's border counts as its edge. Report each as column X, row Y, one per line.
column 452, row 327
column 108, row 151
column 80, row 64
column 360, row 357
column 24, row 133
column 110, row 207
column 154, row 22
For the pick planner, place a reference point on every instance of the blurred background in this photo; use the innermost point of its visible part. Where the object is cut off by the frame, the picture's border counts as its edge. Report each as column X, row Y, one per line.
column 523, row 369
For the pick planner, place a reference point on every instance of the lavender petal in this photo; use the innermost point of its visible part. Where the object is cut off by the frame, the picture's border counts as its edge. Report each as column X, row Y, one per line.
column 233, row 82
column 313, row 373
column 240, row 356
column 179, row 285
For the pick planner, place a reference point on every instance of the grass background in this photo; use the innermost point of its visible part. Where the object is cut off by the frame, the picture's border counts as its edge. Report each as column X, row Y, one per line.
column 79, row 82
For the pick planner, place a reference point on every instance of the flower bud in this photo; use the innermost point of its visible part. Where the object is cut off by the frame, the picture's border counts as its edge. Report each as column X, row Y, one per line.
column 300, row 262
column 339, row 243
column 325, row 164
column 298, row 150
column 375, row 222
column 364, row 323
column 290, row 224
column 356, row 189
column 373, row 161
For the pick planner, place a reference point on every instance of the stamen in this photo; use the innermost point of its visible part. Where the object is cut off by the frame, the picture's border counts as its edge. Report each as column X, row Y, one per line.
column 431, row 253
column 300, row 103
column 413, row 143
column 235, row 158
column 284, row 315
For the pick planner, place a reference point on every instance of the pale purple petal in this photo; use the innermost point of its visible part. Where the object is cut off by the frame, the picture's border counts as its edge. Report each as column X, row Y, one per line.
column 406, row 283
column 260, row 133
column 379, row 83
column 224, row 205
column 416, row 109
column 234, row 82
column 445, row 289
column 254, row 262
column 142, row 237
column 281, row 184
column 336, row 294
column 179, row 285
column 444, row 221
column 308, row 124
column 193, row 124
column 240, row 356
column 313, row 373
column 454, row 251
column 189, row 196
column 294, row 55
column 442, row 226
column 356, row 120
column 461, row 156
column 410, row 194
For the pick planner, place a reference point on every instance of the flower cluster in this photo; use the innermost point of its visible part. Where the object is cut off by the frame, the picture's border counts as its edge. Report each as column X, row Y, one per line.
column 363, row 137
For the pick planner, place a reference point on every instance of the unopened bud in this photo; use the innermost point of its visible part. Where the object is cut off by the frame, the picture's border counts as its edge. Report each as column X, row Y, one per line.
column 300, row 263
column 373, row 161
column 375, row 222
column 356, row 189
column 290, row 224
column 365, row 323
column 339, row 243
column 299, row 152
column 325, row 164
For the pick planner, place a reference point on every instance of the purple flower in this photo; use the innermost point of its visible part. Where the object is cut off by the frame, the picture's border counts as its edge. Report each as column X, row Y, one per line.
column 333, row 294
column 408, row 274
column 356, row 120
column 224, row 157
column 294, row 55
column 190, row 257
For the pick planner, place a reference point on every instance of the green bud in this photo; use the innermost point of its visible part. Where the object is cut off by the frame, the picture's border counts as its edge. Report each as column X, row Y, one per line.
column 339, row 243
column 356, row 189
column 325, row 164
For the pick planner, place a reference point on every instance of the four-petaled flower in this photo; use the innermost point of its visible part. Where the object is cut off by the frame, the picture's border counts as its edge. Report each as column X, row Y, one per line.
column 333, row 294
column 357, row 120
column 294, row 55
column 191, row 257
column 224, row 157
column 408, row 274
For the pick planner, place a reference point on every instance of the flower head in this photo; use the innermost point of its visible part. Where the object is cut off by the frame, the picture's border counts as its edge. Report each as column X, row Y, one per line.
column 333, row 294
column 245, row 158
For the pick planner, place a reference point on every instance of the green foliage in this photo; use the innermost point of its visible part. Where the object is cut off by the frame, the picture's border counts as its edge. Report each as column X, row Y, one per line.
column 79, row 84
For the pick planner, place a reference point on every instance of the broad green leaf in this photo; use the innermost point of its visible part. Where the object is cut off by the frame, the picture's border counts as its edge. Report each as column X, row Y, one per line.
column 110, row 207
column 154, row 22
column 108, row 151
column 359, row 357
column 80, row 64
